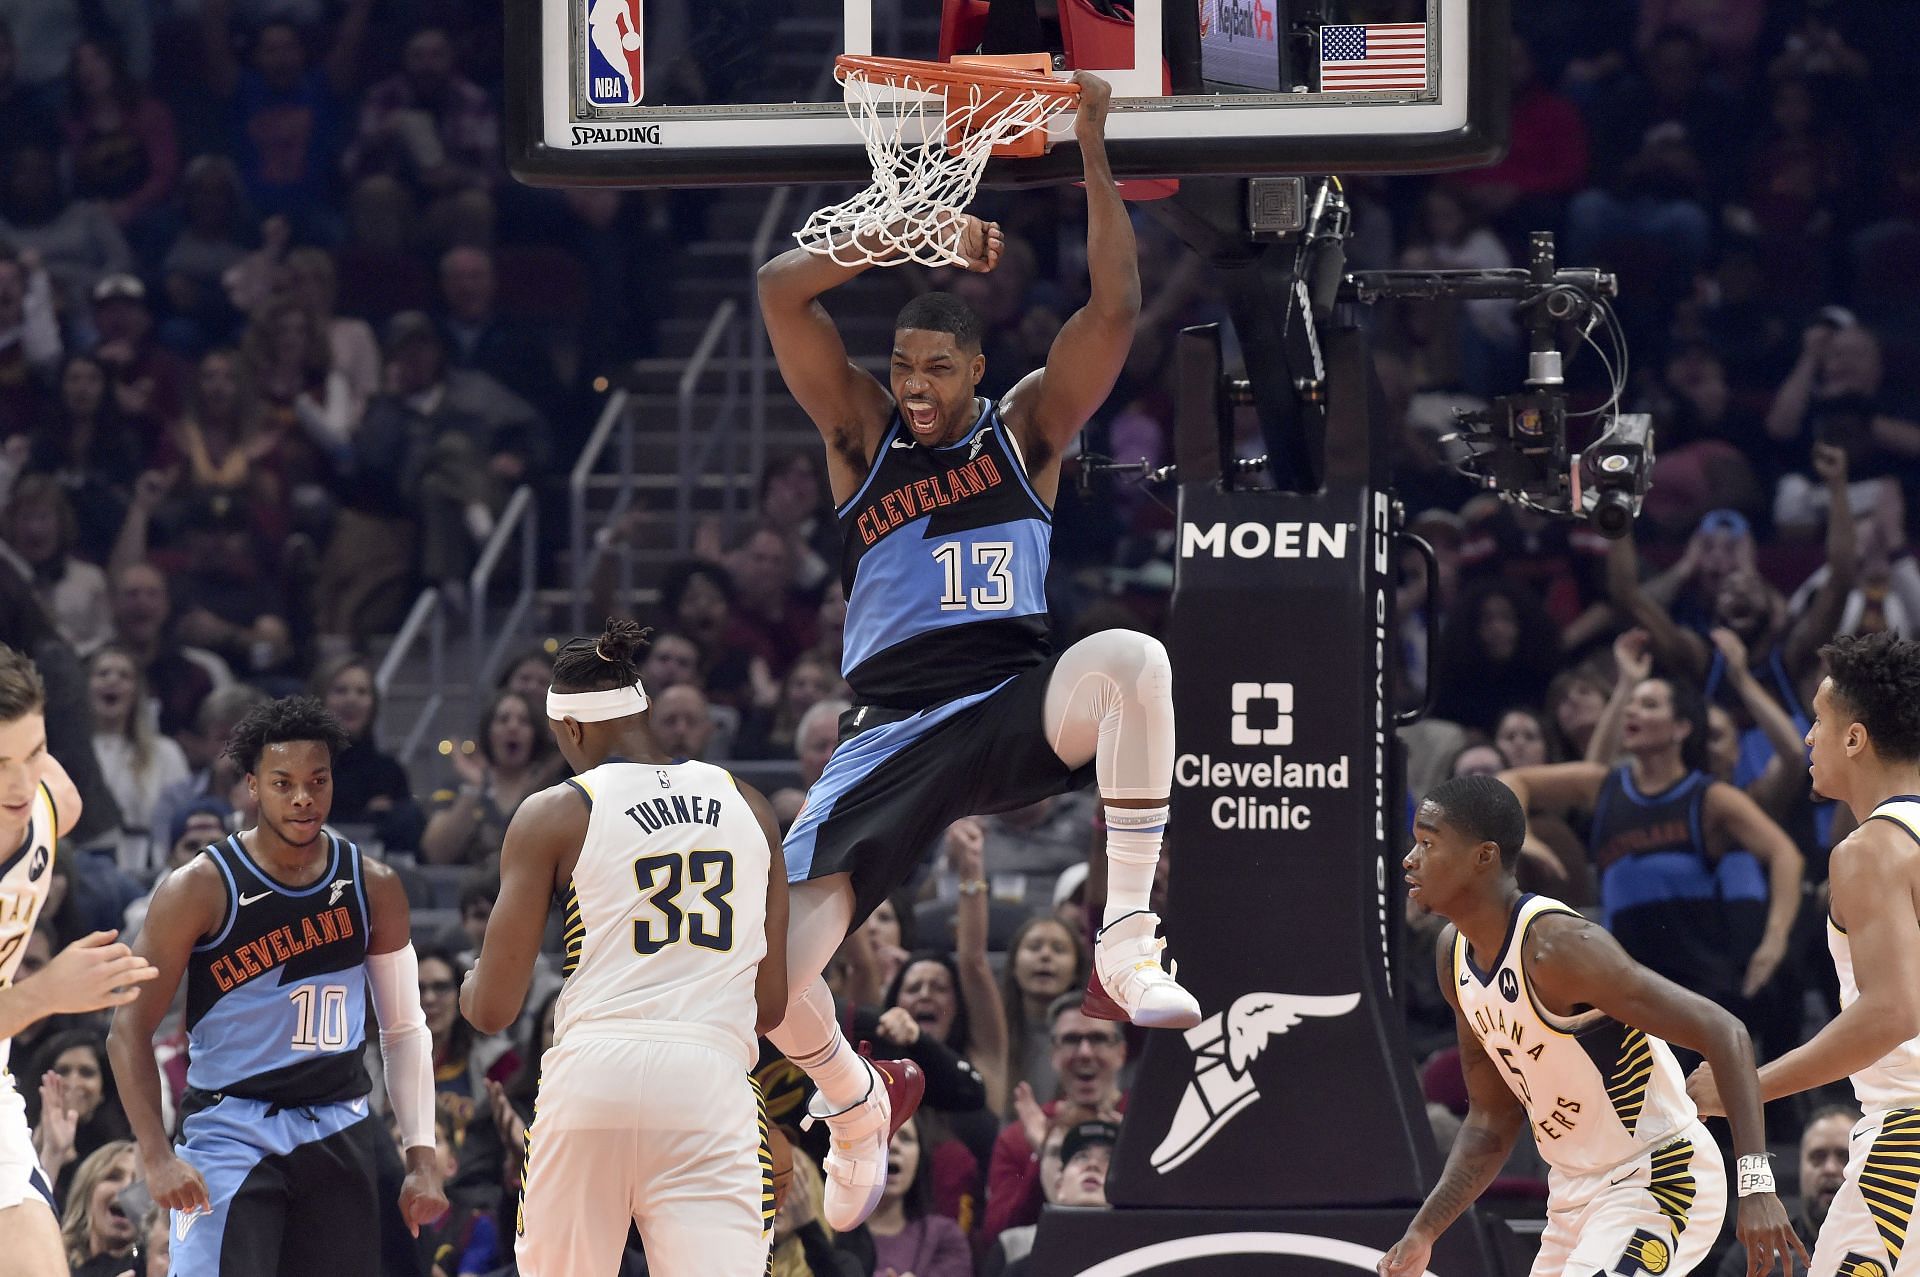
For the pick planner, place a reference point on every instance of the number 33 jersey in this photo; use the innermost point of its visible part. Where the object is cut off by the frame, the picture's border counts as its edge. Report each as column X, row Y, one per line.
column 944, row 568
column 666, row 912
column 1597, row 1092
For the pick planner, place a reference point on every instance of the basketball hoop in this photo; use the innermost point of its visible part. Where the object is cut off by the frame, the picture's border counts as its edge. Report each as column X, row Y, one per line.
column 930, row 128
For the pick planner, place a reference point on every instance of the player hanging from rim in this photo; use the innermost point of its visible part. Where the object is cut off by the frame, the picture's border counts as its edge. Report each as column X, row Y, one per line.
column 676, row 958
column 1560, row 1030
column 945, row 500
column 37, row 801
column 280, row 933
column 1865, row 752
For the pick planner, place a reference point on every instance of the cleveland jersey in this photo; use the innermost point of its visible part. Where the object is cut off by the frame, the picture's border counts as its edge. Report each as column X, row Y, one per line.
column 944, row 568
column 666, row 912
column 277, row 996
column 1894, row 1079
column 1598, row 1092
column 24, row 875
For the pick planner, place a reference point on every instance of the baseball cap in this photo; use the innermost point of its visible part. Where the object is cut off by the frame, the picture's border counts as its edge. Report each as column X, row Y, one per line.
column 410, row 326
column 1071, row 880
column 1724, row 520
column 112, row 287
column 205, row 805
column 1084, row 1135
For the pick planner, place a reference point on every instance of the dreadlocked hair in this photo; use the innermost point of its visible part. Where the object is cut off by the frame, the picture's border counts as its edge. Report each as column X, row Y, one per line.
column 604, row 663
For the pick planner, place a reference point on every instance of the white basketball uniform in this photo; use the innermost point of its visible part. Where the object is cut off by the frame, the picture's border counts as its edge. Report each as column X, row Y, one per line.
column 1865, row 1232
column 25, row 872
column 647, row 1111
column 1635, row 1184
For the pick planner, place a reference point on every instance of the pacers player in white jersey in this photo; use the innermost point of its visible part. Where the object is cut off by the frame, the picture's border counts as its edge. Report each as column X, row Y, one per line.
column 675, row 895
column 37, row 802
column 1562, row 1032
column 1865, row 744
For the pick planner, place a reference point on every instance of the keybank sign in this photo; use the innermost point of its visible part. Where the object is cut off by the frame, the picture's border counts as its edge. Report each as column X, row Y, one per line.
column 1265, row 540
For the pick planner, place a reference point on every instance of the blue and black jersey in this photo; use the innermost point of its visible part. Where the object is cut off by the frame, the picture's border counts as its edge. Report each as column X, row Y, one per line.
column 944, row 567
column 277, row 995
column 1675, row 906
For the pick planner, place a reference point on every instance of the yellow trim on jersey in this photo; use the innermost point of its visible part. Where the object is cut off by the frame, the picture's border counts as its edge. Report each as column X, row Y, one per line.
column 1627, row 1084
column 1891, row 1175
column 768, row 1206
column 53, row 813
column 1672, row 1184
column 1540, row 1013
column 584, row 787
column 575, row 937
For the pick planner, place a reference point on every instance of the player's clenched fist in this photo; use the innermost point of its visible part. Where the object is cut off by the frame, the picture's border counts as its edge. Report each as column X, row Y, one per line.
column 91, row 974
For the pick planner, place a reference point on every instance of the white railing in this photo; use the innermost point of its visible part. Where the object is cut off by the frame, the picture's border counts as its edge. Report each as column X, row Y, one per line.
column 519, row 519
column 697, row 446
column 617, row 415
column 427, row 618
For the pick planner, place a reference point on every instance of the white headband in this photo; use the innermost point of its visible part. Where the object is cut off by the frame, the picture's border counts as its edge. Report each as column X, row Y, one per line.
column 597, row 707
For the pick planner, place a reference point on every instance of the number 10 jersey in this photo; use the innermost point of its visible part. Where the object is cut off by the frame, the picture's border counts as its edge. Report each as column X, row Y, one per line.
column 944, row 567
column 666, row 912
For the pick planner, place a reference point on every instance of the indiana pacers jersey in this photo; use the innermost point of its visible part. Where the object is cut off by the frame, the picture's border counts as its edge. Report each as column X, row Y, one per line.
column 1893, row 1079
column 1598, row 1092
column 666, row 913
column 277, row 996
column 24, row 876
column 945, row 568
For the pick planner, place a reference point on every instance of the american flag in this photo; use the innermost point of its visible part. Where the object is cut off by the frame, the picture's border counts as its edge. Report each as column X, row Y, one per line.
column 1379, row 55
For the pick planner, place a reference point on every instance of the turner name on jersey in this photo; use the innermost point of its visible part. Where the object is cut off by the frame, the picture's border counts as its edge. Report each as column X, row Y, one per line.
column 666, row 908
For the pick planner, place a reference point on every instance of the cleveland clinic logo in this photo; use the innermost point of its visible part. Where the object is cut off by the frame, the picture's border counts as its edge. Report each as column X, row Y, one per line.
column 1277, row 696
column 1224, row 1048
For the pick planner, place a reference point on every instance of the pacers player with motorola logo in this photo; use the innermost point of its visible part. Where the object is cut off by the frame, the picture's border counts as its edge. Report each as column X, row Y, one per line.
column 1561, row 1031
column 675, row 895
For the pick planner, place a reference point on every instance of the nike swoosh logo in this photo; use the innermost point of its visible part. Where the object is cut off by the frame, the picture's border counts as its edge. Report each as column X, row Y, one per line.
column 902, row 443
column 186, row 1220
column 1623, row 1179
column 247, row 900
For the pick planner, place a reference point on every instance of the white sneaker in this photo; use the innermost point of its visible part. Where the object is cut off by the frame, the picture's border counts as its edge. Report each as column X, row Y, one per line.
column 856, row 1165
column 1128, row 982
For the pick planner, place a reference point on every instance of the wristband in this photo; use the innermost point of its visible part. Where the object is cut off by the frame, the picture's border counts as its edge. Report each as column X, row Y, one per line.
column 1754, row 1175
column 972, row 887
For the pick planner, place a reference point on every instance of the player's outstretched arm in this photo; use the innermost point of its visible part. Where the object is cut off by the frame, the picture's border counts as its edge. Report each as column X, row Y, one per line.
column 1494, row 1119
column 1572, row 962
column 1050, row 405
column 546, row 831
column 1873, row 900
column 770, row 980
column 188, row 905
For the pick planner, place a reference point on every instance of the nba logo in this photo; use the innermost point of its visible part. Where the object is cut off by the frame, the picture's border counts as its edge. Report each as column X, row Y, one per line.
column 615, row 52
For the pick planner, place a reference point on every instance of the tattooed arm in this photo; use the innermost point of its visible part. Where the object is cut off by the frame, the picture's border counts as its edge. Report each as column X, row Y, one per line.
column 1494, row 1119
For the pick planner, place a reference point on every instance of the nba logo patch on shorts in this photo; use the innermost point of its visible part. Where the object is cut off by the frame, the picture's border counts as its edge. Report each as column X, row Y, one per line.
column 615, row 52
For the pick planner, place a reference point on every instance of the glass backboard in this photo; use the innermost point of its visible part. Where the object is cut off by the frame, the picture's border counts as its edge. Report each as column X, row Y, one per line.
column 698, row 92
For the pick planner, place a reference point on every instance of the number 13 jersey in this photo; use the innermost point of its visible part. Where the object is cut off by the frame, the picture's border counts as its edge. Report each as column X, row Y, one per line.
column 944, row 568
column 666, row 912
column 1598, row 1092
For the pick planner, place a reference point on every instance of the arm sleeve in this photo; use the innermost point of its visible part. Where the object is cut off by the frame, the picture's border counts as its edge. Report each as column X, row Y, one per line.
column 405, row 1045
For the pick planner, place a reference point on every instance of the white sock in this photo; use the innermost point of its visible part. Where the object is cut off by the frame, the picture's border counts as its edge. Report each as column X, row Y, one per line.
column 1133, row 850
column 821, row 1049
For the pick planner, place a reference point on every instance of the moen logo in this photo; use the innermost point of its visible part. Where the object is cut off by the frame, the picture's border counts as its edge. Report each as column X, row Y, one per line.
column 623, row 134
column 1246, row 696
column 1224, row 1048
column 1265, row 540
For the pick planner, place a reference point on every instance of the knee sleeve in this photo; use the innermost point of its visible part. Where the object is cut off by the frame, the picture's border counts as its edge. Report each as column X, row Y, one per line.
column 1111, row 701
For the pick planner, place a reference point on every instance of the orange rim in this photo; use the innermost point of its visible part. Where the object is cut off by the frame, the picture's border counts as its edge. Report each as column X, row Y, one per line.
column 936, row 77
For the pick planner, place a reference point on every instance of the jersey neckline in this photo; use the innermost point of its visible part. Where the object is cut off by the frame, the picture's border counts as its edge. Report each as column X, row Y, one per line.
column 332, row 870
column 1486, row 977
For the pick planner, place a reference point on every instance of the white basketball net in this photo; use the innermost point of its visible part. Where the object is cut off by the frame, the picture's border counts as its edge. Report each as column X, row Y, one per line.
column 913, row 210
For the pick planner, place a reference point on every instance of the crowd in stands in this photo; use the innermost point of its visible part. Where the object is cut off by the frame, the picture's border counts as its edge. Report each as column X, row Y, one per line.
column 278, row 337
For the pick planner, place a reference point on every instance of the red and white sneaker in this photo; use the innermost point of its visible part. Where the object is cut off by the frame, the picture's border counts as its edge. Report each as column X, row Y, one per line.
column 856, row 1165
column 1128, row 983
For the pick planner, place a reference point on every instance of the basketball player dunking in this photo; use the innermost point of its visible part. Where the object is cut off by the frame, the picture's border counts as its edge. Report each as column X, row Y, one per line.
column 1561, row 1031
column 280, row 933
column 945, row 500
column 37, row 801
column 676, row 914
column 1865, row 743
